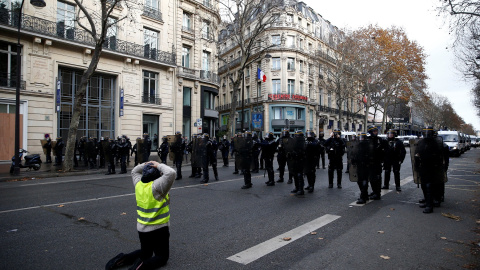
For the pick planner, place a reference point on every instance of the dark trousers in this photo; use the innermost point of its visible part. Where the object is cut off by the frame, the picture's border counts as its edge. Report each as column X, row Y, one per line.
column 269, row 168
column 247, row 177
column 311, row 178
column 255, row 161
column 111, row 165
column 178, row 165
column 154, row 242
column 375, row 177
column 123, row 163
column 163, row 158
column 388, row 166
column 49, row 156
column 322, row 156
column 281, row 166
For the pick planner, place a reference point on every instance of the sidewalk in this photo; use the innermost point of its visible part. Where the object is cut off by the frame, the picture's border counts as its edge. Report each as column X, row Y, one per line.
column 49, row 171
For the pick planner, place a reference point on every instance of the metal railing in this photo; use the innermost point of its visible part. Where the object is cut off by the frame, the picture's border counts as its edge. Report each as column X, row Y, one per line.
column 60, row 30
column 204, row 75
column 188, row 29
column 10, row 81
column 152, row 13
column 151, row 99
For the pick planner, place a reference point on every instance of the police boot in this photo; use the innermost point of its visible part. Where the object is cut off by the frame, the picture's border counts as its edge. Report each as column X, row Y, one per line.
column 179, row 171
column 215, row 173
column 339, row 178
column 428, row 198
column 330, row 178
column 386, row 182
column 396, row 175
column 363, row 185
column 290, row 177
column 301, row 184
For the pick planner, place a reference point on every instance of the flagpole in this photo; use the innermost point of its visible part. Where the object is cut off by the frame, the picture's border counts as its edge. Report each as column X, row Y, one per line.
column 243, row 100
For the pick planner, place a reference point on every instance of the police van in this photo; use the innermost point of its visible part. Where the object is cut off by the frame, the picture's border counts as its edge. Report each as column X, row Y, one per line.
column 454, row 141
column 348, row 135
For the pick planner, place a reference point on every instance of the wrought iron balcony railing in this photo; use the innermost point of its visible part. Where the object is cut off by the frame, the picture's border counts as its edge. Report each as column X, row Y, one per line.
column 188, row 29
column 152, row 13
column 62, row 31
column 204, row 75
column 10, row 80
column 151, row 99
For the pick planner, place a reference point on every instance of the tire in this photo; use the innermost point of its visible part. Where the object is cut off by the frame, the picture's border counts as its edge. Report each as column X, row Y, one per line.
column 36, row 167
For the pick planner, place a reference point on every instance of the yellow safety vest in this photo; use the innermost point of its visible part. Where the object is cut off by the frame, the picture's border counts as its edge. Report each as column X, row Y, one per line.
column 150, row 211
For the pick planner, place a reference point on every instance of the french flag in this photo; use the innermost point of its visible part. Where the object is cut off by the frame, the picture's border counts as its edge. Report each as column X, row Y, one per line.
column 261, row 75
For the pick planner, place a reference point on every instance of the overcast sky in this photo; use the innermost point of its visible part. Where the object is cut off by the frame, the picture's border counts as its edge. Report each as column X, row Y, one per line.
column 420, row 21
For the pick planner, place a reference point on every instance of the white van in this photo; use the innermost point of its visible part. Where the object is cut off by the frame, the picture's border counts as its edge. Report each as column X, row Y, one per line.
column 348, row 135
column 454, row 141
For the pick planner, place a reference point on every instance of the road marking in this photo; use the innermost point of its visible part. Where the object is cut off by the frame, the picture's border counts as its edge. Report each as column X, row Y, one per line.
column 461, row 189
column 385, row 191
column 247, row 256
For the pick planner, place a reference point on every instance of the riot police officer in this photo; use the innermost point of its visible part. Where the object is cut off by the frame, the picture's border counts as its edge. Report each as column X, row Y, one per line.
column 375, row 162
column 335, row 148
column 243, row 149
column 178, row 148
column 147, row 146
column 48, row 148
column 101, row 152
column 135, row 151
column 91, row 153
column 194, row 163
column 295, row 149
column 358, row 160
column 321, row 142
column 59, row 151
column 163, row 150
column 394, row 156
column 256, row 151
column 225, row 148
column 312, row 156
column 123, row 153
column 110, row 154
column 232, row 144
column 282, row 157
column 269, row 146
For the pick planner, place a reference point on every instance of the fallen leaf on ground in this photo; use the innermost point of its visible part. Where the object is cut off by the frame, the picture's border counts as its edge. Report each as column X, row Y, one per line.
column 205, row 184
column 384, row 257
column 478, row 221
column 61, row 205
column 313, row 233
column 388, row 216
column 287, row 238
column 321, row 238
column 393, row 209
column 381, row 232
column 82, row 218
column 123, row 214
column 452, row 216
column 443, row 237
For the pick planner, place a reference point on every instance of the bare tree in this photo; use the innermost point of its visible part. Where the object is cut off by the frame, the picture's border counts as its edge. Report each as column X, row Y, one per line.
column 246, row 23
column 96, row 23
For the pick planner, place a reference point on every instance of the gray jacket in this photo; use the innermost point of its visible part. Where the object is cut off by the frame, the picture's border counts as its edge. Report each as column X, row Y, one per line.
column 160, row 189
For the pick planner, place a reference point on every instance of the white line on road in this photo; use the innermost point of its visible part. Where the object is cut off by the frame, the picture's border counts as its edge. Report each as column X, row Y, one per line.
column 384, row 191
column 247, row 256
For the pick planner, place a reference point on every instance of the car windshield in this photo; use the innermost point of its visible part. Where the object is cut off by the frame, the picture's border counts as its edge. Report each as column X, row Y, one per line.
column 449, row 137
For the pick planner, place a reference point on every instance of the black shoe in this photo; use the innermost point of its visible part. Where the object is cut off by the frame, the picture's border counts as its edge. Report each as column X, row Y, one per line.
column 236, row 172
column 310, row 190
column 330, row 185
column 301, row 192
column 422, row 205
column 246, row 186
column 137, row 264
column 191, row 176
column 204, row 181
column 272, row 183
column 428, row 210
column 117, row 261
column 421, row 201
column 339, row 186
column 323, row 168
column 361, row 201
column 346, row 171
column 375, row 197
column 436, row 203
column 280, row 181
column 198, row 176
column 178, row 177
column 385, row 187
column 289, row 181
column 294, row 191
column 399, row 189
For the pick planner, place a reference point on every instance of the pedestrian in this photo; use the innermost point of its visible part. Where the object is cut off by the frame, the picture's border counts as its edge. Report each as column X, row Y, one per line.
column 48, row 148
column 152, row 182
column 59, row 151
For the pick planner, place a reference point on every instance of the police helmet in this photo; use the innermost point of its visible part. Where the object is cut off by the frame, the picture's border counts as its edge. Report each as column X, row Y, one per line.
column 254, row 134
column 428, row 132
column 248, row 134
column 371, row 129
column 337, row 132
column 178, row 133
column 362, row 136
column 206, row 136
column 285, row 133
column 321, row 135
column 269, row 136
column 310, row 134
column 299, row 133
column 391, row 134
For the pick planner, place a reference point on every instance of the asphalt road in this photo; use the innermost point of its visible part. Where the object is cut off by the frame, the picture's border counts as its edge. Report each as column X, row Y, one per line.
column 80, row 222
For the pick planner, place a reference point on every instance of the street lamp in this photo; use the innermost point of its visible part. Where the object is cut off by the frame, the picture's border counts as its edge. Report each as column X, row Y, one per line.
column 36, row 3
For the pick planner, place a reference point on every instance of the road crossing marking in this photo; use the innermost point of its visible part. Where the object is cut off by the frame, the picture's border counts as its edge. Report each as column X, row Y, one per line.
column 385, row 191
column 247, row 256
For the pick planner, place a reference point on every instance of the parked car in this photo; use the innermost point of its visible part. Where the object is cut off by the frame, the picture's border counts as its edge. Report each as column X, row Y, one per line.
column 454, row 141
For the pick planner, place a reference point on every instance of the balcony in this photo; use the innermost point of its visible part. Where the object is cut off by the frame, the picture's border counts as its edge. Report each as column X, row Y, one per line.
column 151, row 99
column 326, row 109
column 188, row 30
column 61, row 31
column 152, row 13
column 248, row 101
column 203, row 75
column 231, row 64
column 9, row 80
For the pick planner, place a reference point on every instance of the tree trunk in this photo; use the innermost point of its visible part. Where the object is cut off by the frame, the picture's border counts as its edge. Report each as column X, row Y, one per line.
column 233, row 109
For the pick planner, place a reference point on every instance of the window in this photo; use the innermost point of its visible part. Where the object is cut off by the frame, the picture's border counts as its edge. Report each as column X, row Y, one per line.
column 152, row 4
column 301, row 88
column 208, row 100
column 310, row 91
column 259, row 89
column 247, row 91
column 290, row 41
column 224, row 99
column 187, row 96
column 8, row 64
column 150, row 85
column 276, row 63
column 65, row 20
column 206, row 31
column 150, row 43
column 276, row 87
column 291, row 64
column 299, row 21
column 276, row 40
column 329, row 98
column 187, row 20
column 291, row 87
column 111, row 37
column 186, row 57
column 289, row 18
column 207, row 3
column 277, row 113
column 320, row 97
column 247, row 71
column 301, row 66
column 300, row 43
column 206, row 61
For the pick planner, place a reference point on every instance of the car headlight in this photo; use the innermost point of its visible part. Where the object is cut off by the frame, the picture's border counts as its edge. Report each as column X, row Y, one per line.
column 454, row 148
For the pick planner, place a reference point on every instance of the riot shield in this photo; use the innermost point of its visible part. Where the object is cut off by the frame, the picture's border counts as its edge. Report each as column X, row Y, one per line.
column 174, row 143
column 54, row 143
column 359, row 155
column 199, row 154
column 427, row 159
column 295, row 150
column 43, row 142
column 243, row 153
column 352, row 149
column 140, row 150
column 106, row 150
